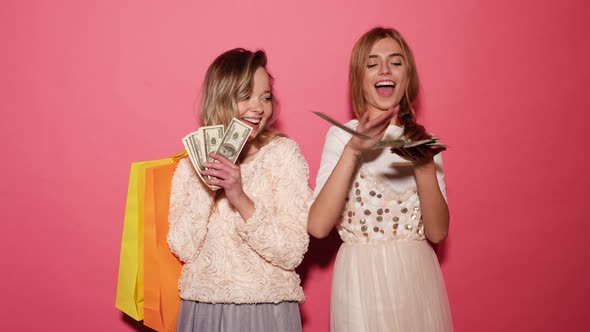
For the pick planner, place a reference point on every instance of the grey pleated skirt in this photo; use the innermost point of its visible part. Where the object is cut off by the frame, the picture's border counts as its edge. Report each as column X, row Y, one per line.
column 265, row 317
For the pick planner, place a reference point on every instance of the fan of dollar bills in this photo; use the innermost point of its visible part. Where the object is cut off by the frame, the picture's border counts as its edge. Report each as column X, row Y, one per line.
column 201, row 144
column 393, row 144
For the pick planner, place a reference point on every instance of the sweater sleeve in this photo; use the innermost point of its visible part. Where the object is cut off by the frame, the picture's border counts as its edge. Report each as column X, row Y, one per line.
column 277, row 229
column 189, row 201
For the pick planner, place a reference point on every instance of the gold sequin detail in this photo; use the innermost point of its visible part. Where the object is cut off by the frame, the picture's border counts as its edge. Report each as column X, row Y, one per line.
column 381, row 214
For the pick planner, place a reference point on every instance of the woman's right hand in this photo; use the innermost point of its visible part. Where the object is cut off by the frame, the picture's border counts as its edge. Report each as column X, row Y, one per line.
column 373, row 128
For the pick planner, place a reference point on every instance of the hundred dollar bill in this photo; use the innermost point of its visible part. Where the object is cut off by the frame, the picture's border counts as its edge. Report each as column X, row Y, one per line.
column 400, row 143
column 212, row 136
column 192, row 143
column 200, row 146
column 193, row 155
column 393, row 143
column 195, row 142
column 233, row 141
column 343, row 127
column 186, row 141
column 213, row 139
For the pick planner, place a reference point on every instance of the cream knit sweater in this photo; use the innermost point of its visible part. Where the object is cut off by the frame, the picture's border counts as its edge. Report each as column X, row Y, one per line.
column 229, row 260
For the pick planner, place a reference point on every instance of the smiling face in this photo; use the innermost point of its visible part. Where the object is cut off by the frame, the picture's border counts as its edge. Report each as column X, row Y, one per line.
column 255, row 109
column 386, row 77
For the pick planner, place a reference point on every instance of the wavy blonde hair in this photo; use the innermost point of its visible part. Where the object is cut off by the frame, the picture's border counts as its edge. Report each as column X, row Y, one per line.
column 230, row 78
column 359, row 60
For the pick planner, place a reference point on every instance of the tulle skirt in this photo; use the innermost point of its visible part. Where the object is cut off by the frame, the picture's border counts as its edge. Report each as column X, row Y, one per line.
column 265, row 317
column 388, row 286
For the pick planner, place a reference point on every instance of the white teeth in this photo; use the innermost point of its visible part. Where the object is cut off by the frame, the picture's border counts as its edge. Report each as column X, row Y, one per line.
column 389, row 83
column 254, row 121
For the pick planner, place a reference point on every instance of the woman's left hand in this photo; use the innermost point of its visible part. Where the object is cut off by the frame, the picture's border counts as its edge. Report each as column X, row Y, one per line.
column 227, row 176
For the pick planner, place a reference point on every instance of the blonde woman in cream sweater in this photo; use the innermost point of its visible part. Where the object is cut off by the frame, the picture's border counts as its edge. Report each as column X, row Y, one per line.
column 241, row 244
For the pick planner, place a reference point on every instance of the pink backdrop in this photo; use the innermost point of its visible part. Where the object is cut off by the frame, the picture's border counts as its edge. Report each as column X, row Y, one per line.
column 88, row 87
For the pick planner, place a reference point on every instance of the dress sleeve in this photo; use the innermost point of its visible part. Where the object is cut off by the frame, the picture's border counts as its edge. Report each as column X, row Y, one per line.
column 336, row 139
column 440, row 175
column 277, row 230
column 189, row 201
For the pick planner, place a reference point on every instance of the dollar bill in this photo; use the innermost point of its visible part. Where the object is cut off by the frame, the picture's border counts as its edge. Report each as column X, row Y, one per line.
column 212, row 136
column 228, row 143
column 196, row 141
column 193, row 145
column 188, row 143
column 208, row 141
column 200, row 141
column 400, row 143
column 233, row 141
column 343, row 127
column 412, row 144
column 394, row 143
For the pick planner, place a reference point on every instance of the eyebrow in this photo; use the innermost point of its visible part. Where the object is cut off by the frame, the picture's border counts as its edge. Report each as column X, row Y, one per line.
column 389, row 56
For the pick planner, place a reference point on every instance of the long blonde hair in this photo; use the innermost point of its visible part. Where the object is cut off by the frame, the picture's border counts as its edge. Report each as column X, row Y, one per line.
column 358, row 66
column 229, row 79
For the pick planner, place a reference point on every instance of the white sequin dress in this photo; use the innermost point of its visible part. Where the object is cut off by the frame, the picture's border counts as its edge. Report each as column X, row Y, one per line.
column 386, row 275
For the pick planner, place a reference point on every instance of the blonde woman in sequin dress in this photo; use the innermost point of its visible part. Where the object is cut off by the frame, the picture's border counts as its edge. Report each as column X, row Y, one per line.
column 385, row 207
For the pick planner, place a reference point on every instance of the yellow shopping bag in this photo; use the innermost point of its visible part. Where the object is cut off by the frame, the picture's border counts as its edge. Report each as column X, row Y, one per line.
column 130, row 285
column 162, row 269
